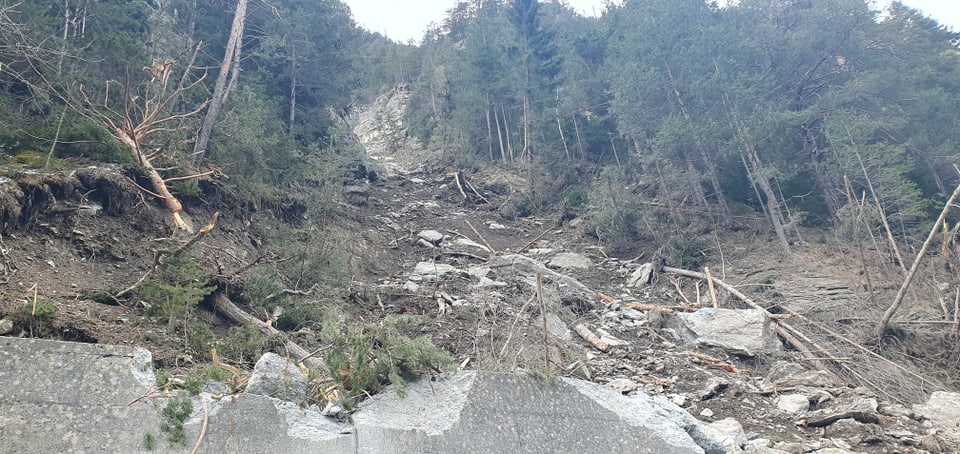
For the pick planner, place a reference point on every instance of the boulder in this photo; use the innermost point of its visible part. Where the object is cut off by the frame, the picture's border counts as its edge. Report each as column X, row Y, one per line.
column 794, row 403
column 488, row 412
column 430, row 271
column 277, row 377
column 739, row 331
column 571, row 261
column 431, row 236
column 942, row 410
column 641, row 276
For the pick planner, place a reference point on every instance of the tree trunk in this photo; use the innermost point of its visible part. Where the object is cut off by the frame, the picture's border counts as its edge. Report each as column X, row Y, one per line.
column 171, row 203
column 216, row 103
column 496, row 120
column 773, row 202
column 293, row 90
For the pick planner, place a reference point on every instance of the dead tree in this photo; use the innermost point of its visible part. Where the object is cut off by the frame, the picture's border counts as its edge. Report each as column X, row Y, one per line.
column 139, row 117
column 231, row 56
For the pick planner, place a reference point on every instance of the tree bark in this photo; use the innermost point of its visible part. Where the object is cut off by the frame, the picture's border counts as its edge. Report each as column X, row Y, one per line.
column 226, row 308
column 171, row 203
column 216, row 103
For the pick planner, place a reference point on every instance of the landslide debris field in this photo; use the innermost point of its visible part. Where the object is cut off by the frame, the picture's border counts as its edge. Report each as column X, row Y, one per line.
column 406, row 246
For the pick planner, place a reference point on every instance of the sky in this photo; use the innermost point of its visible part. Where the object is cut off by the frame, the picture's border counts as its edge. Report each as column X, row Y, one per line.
column 403, row 20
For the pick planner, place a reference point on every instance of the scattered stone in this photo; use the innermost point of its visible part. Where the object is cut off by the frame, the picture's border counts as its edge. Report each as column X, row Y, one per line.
column 942, row 410
column 641, row 276
column 430, row 271
column 622, row 385
column 608, row 339
column 706, row 413
column 632, row 314
column 496, row 226
column 715, row 386
column 794, row 404
column 431, row 236
column 678, row 399
column 785, row 374
column 6, row 326
column 411, row 287
column 731, row 433
column 470, row 244
column 275, row 376
column 571, row 261
column 739, row 331
column 557, row 328
column 790, row 447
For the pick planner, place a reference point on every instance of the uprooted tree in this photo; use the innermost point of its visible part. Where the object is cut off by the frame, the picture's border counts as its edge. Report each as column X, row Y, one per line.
column 141, row 114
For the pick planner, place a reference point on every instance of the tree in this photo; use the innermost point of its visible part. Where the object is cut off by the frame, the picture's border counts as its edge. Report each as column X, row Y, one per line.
column 231, row 57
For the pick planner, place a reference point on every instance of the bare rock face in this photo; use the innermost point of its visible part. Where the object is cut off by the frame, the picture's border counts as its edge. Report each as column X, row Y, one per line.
column 275, row 376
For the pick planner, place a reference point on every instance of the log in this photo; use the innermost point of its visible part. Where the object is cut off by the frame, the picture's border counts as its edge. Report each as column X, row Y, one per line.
column 723, row 285
column 223, row 306
column 588, row 336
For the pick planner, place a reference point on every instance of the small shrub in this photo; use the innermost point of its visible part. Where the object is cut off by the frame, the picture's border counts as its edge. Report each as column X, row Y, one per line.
column 367, row 361
column 175, row 414
column 683, row 252
column 36, row 320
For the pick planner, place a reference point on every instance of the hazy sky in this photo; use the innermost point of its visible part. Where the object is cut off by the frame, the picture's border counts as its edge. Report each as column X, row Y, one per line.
column 402, row 20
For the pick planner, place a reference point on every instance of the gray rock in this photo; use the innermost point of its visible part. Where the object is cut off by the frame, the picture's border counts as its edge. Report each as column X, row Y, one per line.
column 739, row 331
column 715, row 386
column 622, row 385
column 571, row 261
column 72, row 397
column 785, row 374
column 430, row 271
column 632, row 314
column 431, row 236
column 6, row 326
column 794, row 404
column 275, row 376
column 557, row 328
column 641, row 276
column 487, row 412
column 730, row 432
column 943, row 411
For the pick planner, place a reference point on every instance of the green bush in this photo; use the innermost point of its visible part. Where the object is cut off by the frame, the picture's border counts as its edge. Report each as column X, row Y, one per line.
column 683, row 252
column 365, row 361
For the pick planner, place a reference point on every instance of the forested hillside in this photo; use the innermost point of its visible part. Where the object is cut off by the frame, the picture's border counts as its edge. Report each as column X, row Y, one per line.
column 219, row 139
column 792, row 108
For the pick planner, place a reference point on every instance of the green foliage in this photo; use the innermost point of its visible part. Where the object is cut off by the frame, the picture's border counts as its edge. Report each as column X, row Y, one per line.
column 245, row 344
column 149, row 442
column 367, row 360
column 683, row 252
column 176, row 289
column 175, row 414
column 35, row 317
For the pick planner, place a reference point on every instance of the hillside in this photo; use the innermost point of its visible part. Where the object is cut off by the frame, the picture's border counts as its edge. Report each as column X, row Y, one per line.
column 435, row 252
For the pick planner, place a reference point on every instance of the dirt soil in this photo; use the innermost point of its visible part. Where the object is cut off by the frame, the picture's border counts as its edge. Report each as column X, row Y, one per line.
column 61, row 247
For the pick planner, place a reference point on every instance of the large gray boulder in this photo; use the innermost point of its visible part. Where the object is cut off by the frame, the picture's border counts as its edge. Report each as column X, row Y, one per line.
column 276, row 376
column 72, row 397
column 489, row 412
column 739, row 331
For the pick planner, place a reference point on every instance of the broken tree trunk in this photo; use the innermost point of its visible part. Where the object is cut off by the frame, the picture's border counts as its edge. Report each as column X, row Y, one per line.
column 223, row 306
column 159, row 186
column 882, row 326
